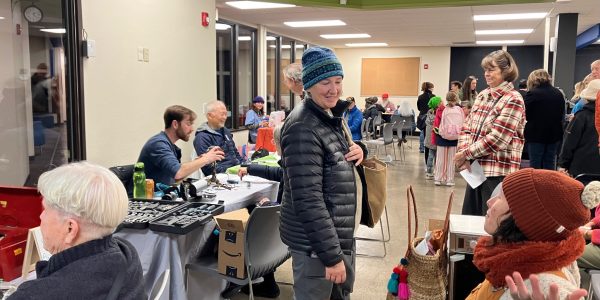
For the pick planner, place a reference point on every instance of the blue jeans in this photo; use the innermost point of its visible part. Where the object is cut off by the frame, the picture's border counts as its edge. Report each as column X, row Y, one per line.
column 431, row 161
column 422, row 141
column 542, row 156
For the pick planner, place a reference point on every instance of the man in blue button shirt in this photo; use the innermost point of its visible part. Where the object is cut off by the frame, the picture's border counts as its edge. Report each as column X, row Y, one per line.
column 214, row 133
column 162, row 158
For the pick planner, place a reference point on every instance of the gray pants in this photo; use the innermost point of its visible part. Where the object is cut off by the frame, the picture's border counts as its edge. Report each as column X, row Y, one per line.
column 309, row 278
column 590, row 259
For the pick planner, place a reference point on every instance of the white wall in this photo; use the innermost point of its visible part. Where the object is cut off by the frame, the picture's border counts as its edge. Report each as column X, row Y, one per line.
column 124, row 98
column 14, row 81
column 438, row 59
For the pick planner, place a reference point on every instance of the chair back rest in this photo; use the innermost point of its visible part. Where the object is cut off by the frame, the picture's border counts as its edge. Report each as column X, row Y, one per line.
column 264, row 249
column 378, row 120
column 586, row 178
column 362, row 127
column 395, row 118
column 406, row 123
column 125, row 174
column 388, row 133
column 366, row 133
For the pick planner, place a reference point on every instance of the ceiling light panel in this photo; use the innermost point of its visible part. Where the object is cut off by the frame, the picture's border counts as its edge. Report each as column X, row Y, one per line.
column 500, row 42
column 257, row 5
column 521, row 16
column 367, row 44
column 221, row 26
column 54, row 30
column 345, row 36
column 244, row 38
column 322, row 23
column 503, row 31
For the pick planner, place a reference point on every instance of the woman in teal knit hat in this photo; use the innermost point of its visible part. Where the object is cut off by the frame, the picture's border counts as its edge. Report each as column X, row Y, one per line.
column 320, row 208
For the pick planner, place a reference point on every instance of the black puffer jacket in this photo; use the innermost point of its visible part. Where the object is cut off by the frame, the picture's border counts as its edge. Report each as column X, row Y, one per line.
column 319, row 198
column 270, row 173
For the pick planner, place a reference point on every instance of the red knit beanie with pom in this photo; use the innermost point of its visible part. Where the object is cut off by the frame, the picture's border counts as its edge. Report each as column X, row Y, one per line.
column 546, row 205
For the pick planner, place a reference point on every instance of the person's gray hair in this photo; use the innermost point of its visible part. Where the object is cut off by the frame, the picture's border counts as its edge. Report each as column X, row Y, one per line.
column 595, row 63
column 293, row 72
column 213, row 105
column 89, row 192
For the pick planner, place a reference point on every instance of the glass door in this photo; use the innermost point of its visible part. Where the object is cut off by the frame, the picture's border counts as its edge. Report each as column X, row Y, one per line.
column 35, row 104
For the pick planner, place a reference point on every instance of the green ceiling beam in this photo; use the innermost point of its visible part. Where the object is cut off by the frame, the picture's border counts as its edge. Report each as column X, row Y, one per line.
column 399, row 4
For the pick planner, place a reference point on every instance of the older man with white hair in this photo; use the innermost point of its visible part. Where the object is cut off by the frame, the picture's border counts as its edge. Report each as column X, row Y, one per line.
column 213, row 133
column 83, row 204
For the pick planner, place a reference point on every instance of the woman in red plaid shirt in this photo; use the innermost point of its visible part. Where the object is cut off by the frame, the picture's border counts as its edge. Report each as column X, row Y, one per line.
column 493, row 131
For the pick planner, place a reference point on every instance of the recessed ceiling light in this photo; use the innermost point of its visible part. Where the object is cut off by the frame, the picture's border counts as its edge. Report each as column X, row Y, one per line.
column 503, row 31
column 321, row 23
column 221, row 26
column 244, row 38
column 366, row 44
column 257, row 5
column 286, row 46
column 54, row 30
column 270, row 38
column 500, row 42
column 345, row 36
column 1, row 18
column 522, row 16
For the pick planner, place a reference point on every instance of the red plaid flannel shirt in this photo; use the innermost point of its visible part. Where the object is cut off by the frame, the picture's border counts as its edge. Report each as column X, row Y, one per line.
column 498, row 143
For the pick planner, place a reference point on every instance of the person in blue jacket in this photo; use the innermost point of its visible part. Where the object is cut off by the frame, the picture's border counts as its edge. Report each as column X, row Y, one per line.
column 255, row 119
column 214, row 133
column 354, row 117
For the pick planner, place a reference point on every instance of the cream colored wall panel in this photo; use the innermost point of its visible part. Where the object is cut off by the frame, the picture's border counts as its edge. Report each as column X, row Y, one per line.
column 125, row 98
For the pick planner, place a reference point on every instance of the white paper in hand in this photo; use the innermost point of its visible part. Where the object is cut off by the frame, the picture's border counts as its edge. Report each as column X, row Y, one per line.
column 474, row 178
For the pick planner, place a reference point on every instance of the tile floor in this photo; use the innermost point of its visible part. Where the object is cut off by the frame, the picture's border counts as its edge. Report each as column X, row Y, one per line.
column 373, row 273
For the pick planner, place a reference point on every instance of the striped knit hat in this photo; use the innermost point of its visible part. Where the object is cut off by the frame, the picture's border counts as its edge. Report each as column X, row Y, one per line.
column 546, row 205
column 319, row 63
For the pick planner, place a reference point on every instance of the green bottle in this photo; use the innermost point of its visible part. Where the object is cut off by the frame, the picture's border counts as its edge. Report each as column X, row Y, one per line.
column 139, row 181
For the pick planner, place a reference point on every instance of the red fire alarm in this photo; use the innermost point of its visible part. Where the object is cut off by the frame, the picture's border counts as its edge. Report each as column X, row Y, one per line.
column 205, row 19
column 426, row 66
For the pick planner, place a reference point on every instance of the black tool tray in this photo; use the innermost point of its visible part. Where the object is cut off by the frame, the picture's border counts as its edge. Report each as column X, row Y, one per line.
column 186, row 218
column 142, row 211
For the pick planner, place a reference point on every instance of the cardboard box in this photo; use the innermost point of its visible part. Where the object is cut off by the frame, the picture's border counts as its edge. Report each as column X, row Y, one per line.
column 231, row 243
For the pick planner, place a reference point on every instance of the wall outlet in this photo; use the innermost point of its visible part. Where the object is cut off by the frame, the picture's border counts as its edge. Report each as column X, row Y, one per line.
column 140, row 54
column 146, row 55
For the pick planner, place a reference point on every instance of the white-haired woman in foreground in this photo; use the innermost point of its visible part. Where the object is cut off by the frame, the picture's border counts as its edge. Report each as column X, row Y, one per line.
column 83, row 204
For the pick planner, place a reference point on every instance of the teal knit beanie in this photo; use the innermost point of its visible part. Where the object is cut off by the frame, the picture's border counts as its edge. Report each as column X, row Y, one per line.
column 319, row 63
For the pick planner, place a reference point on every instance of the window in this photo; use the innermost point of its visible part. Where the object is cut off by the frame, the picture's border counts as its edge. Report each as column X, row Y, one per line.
column 272, row 73
column 236, row 70
column 224, row 68
column 285, row 59
column 39, row 111
column 281, row 51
